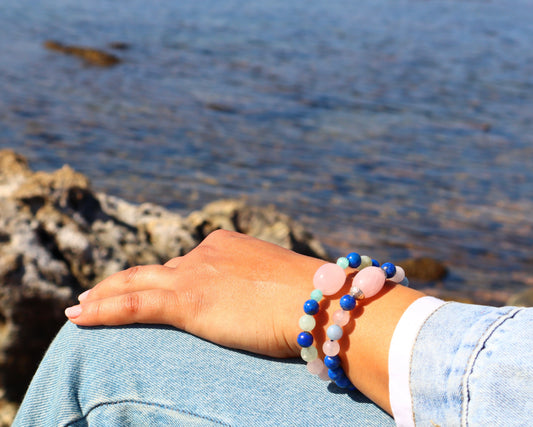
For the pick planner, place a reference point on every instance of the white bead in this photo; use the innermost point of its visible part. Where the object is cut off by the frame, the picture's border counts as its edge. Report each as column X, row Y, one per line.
column 307, row 322
column 309, row 353
column 399, row 276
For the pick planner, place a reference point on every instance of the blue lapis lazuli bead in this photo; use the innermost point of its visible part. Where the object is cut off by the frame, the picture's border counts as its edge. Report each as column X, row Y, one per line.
column 375, row 263
column 311, row 306
column 336, row 374
column 305, row 339
column 332, row 362
column 344, row 382
column 389, row 269
column 354, row 259
column 347, row 302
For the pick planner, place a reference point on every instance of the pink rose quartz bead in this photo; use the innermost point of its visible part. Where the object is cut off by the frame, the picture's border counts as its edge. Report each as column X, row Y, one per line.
column 331, row 348
column 329, row 278
column 341, row 317
column 323, row 375
column 316, row 366
column 370, row 280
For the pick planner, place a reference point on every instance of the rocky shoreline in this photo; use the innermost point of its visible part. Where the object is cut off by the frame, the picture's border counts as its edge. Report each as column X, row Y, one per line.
column 58, row 237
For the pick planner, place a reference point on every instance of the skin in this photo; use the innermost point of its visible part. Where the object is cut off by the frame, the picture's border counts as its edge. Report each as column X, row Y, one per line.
column 244, row 293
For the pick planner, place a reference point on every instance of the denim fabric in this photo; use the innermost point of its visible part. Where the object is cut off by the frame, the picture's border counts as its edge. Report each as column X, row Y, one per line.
column 473, row 366
column 154, row 375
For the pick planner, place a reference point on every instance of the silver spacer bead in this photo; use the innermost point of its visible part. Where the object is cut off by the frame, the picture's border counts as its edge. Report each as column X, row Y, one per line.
column 356, row 293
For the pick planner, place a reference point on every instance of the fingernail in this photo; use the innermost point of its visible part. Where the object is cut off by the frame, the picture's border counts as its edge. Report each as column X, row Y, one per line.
column 73, row 312
column 83, row 295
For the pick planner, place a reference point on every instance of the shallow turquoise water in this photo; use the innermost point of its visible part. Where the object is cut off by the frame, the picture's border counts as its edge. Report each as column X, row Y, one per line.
column 397, row 128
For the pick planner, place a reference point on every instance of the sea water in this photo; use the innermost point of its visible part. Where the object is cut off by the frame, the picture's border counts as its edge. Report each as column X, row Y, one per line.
column 395, row 129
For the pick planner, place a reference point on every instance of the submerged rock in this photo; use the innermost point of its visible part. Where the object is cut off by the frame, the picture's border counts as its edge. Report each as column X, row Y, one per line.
column 424, row 269
column 58, row 237
column 119, row 45
column 523, row 299
column 90, row 55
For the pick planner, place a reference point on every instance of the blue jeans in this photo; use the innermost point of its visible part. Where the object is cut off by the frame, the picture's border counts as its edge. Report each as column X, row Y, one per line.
column 473, row 366
column 155, row 375
column 470, row 365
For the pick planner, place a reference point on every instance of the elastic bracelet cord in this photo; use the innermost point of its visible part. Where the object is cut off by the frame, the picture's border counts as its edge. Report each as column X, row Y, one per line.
column 328, row 280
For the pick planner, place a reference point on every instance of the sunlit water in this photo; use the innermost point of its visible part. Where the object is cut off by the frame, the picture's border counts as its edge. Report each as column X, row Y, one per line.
column 393, row 128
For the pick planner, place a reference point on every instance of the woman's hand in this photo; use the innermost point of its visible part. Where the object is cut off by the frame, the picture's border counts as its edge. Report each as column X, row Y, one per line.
column 244, row 293
column 232, row 289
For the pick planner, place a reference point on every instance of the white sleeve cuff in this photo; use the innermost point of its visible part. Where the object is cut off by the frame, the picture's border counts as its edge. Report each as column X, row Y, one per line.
column 400, row 350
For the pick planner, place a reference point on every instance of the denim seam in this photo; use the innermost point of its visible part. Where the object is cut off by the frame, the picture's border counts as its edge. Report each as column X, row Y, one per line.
column 411, row 358
column 474, row 356
column 118, row 402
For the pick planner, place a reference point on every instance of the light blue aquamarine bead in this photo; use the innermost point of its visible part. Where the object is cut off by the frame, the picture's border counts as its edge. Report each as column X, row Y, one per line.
column 343, row 262
column 334, row 332
column 317, row 295
column 307, row 322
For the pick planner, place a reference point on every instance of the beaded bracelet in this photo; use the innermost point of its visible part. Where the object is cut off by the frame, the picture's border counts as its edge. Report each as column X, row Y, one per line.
column 328, row 280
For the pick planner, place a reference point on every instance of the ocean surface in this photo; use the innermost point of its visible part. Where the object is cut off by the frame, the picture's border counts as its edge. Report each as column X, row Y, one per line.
column 394, row 128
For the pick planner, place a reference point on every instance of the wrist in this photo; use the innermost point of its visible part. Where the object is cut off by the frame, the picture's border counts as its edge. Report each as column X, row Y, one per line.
column 366, row 350
column 359, row 336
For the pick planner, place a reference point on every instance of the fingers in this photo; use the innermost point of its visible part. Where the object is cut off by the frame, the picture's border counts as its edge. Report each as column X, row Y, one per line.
column 142, row 294
column 132, row 280
column 147, row 306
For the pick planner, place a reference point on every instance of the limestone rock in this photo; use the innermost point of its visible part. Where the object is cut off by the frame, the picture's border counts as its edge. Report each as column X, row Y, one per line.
column 35, row 286
column 265, row 223
column 164, row 231
column 58, row 237
column 8, row 410
column 13, row 171
column 12, row 164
